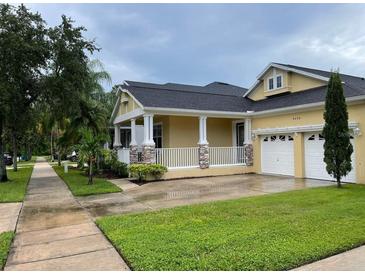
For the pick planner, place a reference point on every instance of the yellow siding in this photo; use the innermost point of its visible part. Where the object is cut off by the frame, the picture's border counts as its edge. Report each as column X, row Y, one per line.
column 300, row 82
column 299, row 155
column 292, row 82
column 219, row 132
column 183, row 131
column 315, row 117
column 127, row 106
column 212, row 171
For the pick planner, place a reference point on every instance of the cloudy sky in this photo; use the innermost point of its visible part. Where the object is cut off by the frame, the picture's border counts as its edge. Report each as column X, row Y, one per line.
column 202, row 43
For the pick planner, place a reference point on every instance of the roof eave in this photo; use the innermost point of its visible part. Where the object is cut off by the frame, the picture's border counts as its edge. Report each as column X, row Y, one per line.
column 305, row 73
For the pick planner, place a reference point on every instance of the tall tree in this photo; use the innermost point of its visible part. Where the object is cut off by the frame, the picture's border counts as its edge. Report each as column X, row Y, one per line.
column 337, row 146
column 23, row 56
column 68, row 73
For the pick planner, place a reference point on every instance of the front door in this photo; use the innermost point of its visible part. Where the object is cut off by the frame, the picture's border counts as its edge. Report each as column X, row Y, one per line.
column 240, row 132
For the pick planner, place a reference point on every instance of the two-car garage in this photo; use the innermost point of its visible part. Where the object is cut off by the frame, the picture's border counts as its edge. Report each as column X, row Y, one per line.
column 277, row 156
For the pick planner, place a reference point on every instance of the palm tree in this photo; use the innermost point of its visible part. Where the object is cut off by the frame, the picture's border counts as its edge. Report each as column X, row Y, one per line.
column 98, row 75
column 89, row 149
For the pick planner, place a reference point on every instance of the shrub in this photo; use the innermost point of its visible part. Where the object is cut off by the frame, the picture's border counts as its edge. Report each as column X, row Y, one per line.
column 144, row 171
column 120, row 169
column 110, row 161
column 108, row 158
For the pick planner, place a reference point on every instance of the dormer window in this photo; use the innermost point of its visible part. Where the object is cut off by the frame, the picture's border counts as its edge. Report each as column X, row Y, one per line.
column 275, row 82
column 279, row 82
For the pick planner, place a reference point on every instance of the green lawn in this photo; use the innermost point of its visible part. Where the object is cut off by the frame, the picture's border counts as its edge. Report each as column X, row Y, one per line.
column 77, row 182
column 271, row 232
column 14, row 190
column 5, row 241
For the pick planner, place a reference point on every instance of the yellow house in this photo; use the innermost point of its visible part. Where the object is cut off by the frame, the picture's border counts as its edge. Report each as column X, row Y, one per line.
column 274, row 127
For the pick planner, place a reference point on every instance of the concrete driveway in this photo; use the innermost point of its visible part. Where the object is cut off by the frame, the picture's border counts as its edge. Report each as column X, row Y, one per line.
column 165, row 194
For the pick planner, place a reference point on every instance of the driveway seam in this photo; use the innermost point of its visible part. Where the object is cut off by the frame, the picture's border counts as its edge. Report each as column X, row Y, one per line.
column 58, row 240
column 65, row 256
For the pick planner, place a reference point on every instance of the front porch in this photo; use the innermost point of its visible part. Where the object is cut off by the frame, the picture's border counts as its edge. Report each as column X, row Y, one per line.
column 219, row 145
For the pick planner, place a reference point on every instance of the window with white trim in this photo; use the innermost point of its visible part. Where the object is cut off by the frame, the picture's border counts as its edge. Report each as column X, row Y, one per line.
column 157, row 135
column 275, row 82
column 279, row 82
column 125, row 137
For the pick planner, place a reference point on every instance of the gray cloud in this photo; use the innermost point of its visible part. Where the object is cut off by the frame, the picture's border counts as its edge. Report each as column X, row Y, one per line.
column 201, row 43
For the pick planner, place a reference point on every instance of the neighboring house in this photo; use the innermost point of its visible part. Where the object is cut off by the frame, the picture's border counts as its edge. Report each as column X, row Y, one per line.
column 218, row 129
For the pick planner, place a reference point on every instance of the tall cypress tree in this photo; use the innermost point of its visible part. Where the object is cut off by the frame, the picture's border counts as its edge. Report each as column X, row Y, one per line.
column 337, row 145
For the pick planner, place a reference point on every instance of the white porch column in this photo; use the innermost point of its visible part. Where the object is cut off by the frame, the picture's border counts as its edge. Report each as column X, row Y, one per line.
column 203, row 143
column 148, row 129
column 133, row 132
column 116, row 136
column 248, row 132
column 203, row 130
column 248, row 147
column 148, row 147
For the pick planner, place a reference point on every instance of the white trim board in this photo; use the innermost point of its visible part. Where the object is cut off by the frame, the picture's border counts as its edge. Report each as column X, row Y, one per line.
column 127, row 116
column 286, row 68
column 195, row 113
column 116, row 108
column 130, row 94
column 234, row 131
column 307, row 128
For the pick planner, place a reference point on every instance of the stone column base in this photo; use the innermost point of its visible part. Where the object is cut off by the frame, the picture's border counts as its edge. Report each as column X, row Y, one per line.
column 116, row 148
column 203, row 156
column 248, row 154
column 148, row 154
column 133, row 154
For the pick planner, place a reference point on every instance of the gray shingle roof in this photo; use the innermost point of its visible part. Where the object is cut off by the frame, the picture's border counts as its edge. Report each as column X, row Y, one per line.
column 314, row 95
column 212, row 88
column 185, row 97
column 219, row 96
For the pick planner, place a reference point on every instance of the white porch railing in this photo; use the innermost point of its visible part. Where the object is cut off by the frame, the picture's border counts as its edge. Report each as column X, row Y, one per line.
column 226, row 156
column 123, row 155
column 178, row 157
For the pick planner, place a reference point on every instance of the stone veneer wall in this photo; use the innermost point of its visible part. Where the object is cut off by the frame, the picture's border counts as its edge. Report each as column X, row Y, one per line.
column 204, row 156
column 248, row 154
column 133, row 154
column 148, row 154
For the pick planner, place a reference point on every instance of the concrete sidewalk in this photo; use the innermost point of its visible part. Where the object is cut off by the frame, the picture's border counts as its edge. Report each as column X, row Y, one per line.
column 55, row 233
column 352, row 260
column 9, row 213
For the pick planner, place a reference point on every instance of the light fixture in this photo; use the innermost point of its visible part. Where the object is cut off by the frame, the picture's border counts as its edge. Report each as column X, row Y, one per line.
column 357, row 132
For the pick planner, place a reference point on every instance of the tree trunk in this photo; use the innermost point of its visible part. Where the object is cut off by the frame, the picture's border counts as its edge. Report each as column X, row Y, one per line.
column 29, row 152
column 52, row 156
column 3, row 175
column 90, row 172
column 15, row 153
column 98, row 164
column 338, row 181
column 59, row 157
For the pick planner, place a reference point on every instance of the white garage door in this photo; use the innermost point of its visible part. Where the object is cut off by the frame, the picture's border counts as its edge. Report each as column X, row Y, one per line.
column 277, row 154
column 315, row 167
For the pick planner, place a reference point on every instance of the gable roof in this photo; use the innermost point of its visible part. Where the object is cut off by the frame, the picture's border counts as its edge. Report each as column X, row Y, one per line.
column 212, row 97
column 224, row 97
column 212, row 88
column 351, row 80
column 291, row 68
